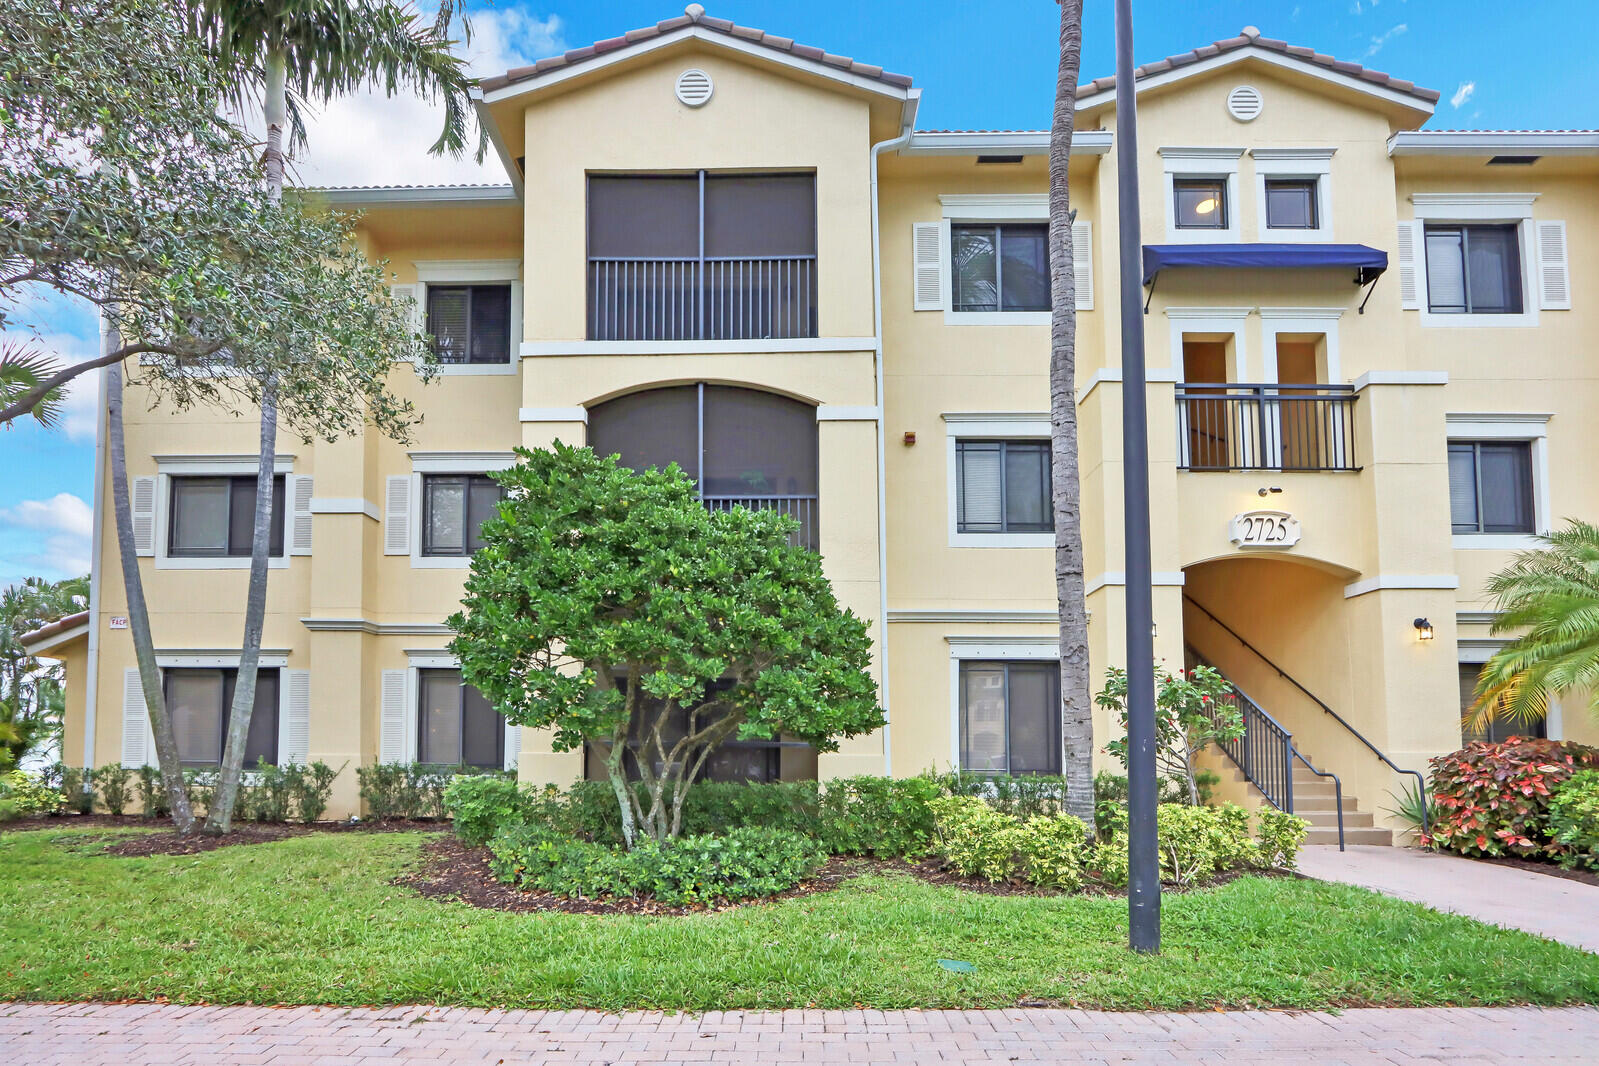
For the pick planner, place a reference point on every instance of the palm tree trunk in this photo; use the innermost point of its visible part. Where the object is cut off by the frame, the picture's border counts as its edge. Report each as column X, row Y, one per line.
column 166, row 743
column 219, row 815
column 1077, row 709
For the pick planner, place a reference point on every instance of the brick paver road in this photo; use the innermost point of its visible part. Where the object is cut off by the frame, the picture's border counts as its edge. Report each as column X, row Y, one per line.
column 88, row 1034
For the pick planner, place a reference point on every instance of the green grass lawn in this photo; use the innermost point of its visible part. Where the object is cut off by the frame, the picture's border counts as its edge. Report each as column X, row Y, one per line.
column 313, row 919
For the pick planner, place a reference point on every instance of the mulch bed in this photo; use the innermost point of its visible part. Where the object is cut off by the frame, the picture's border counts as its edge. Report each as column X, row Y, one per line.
column 450, row 870
column 1587, row 877
column 162, row 840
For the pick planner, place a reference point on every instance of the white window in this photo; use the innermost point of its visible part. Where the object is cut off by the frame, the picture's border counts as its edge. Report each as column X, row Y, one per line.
column 986, row 263
column 1481, row 259
column 473, row 309
column 999, row 481
column 1293, row 194
column 1498, row 480
column 1201, row 195
column 1004, row 704
column 198, row 688
column 429, row 714
column 434, row 514
column 198, row 512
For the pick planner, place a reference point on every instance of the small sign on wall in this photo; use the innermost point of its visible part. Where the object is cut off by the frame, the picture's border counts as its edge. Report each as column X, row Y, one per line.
column 118, row 621
column 1264, row 529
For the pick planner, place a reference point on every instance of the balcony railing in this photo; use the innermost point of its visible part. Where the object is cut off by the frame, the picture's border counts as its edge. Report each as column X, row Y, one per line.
column 711, row 298
column 800, row 508
column 1265, row 427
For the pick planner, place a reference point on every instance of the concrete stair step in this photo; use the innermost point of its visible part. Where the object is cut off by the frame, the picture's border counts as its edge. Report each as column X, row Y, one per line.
column 1353, row 819
column 1329, row 835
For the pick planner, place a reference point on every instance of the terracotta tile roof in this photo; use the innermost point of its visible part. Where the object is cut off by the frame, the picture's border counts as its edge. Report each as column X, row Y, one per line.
column 56, row 628
column 694, row 14
column 1251, row 38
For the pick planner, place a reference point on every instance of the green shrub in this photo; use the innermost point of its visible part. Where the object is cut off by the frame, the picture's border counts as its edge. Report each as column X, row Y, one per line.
column 1196, row 843
column 1279, row 836
column 201, row 786
column 116, row 788
column 1106, row 860
column 410, row 790
column 1493, row 799
column 77, row 789
column 1023, row 796
column 881, row 816
column 1110, row 803
column 152, row 795
column 1574, row 820
column 266, row 793
column 482, row 806
column 25, row 796
column 311, row 788
column 978, row 840
column 10, row 810
column 743, row 864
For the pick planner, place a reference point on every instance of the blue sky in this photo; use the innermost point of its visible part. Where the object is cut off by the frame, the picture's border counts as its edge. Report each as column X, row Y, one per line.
column 982, row 65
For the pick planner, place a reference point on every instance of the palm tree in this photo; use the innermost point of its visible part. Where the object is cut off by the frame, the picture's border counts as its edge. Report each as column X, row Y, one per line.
column 27, row 683
column 1077, row 707
column 1551, row 597
column 22, row 369
column 286, row 51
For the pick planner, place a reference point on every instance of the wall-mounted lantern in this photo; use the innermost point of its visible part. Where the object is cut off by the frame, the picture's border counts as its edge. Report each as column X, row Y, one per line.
column 1423, row 629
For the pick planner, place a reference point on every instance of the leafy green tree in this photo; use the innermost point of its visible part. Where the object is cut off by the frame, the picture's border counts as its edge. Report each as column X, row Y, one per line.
column 1192, row 710
column 1549, row 598
column 30, row 688
column 613, row 608
column 322, row 48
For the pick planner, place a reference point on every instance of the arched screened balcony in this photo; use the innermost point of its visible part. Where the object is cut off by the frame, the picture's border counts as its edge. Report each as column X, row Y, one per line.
column 742, row 447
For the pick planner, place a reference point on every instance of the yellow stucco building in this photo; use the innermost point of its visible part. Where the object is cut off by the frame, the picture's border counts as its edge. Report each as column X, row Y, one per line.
column 1371, row 379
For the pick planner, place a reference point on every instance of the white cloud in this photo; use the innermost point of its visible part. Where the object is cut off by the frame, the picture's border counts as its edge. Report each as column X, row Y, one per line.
column 1462, row 94
column 1378, row 41
column 63, row 523
column 369, row 139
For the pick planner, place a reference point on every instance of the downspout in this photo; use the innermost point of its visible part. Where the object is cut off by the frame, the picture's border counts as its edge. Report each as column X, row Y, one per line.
column 907, row 123
column 91, row 678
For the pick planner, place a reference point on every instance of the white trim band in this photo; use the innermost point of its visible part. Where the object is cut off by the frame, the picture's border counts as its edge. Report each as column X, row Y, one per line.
column 1391, row 582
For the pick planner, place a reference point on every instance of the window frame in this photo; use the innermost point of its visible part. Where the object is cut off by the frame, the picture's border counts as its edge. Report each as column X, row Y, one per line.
column 1447, row 208
column 471, row 289
column 1009, row 653
column 1021, row 428
column 1308, row 164
column 1476, row 447
column 230, row 676
column 1309, row 185
column 425, row 463
column 425, row 505
column 169, row 467
column 1204, row 164
column 276, row 547
column 1004, row 445
column 1518, row 276
column 454, row 273
column 959, row 209
column 420, row 724
column 999, row 229
column 1189, row 182
column 1528, row 428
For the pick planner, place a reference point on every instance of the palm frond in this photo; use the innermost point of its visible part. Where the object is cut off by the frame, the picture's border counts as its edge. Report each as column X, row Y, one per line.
column 22, row 368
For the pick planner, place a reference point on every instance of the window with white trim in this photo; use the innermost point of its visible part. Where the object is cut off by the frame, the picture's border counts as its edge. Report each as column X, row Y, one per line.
column 1491, row 487
column 1473, row 269
column 470, row 323
column 456, row 724
column 1201, row 194
column 1200, row 203
column 1003, row 486
column 1010, row 716
column 200, row 703
column 1291, row 203
column 1501, row 728
column 1000, row 267
column 454, row 508
column 214, row 517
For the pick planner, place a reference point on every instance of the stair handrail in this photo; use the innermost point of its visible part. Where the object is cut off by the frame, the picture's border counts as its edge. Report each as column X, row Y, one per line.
column 1421, row 782
column 1338, row 791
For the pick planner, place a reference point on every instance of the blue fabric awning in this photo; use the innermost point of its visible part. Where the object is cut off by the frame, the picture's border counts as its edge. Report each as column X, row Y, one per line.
column 1369, row 261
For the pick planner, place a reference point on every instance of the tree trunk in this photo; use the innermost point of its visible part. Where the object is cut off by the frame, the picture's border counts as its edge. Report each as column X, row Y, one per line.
column 166, row 743
column 219, row 815
column 1077, row 709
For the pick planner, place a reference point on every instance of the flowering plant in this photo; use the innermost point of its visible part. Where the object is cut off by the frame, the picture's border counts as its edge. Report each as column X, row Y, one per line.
column 1192, row 709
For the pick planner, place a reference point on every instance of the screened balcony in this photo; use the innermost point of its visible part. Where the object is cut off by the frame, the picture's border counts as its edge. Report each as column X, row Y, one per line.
column 701, row 256
column 741, row 447
column 1265, row 427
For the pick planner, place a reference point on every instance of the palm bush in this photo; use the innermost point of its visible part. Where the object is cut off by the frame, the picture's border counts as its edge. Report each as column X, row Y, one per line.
column 1550, row 596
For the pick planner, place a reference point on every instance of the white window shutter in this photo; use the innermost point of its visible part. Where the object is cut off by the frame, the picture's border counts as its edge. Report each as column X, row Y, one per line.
column 136, row 749
column 294, row 718
column 409, row 294
column 1554, row 273
column 1409, row 297
column 929, row 257
column 397, row 515
column 513, row 745
column 1083, row 264
column 391, row 725
column 300, row 543
column 144, row 515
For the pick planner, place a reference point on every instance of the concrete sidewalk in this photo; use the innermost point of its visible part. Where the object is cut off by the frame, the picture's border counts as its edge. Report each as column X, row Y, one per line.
column 92, row 1034
column 1551, row 907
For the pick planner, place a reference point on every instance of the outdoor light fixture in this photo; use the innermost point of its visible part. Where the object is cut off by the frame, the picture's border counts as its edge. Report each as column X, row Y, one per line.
column 1263, row 490
column 1423, row 629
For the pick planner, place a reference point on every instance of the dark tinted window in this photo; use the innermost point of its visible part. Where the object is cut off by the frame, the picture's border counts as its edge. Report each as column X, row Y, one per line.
column 1010, row 717
column 1003, row 487
column 1490, row 487
column 200, row 702
column 1290, row 204
column 454, row 508
column 1500, row 728
column 456, row 725
column 1000, row 268
column 1200, row 203
column 215, row 516
column 1473, row 270
column 470, row 323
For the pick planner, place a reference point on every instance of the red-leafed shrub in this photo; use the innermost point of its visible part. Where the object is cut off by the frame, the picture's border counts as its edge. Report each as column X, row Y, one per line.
column 1493, row 799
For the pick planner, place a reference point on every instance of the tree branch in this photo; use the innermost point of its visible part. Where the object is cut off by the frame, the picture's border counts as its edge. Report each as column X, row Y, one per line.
column 30, row 399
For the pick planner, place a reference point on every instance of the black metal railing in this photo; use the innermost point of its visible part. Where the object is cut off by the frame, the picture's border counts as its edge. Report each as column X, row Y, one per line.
column 801, row 508
column 709, row 298
column 1338, row 793
column 1265, row 752
column 1265, row 427
column 1421, row 782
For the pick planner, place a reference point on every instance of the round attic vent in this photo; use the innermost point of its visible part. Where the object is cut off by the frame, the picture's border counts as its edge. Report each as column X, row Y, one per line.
column 1244, row 103
column 694, row 88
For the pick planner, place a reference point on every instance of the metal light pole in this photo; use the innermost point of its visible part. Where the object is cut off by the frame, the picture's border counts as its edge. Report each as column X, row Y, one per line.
column 1143, row 874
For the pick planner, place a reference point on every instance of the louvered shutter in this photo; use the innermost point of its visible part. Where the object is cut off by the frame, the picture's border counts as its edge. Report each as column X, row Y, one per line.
column 300, row 542
column 513, row 745
column 144, row 515
column 294, row 718
column 391, row 724
column 136, row 745
column 1409, row 297
column 1554, row 273
column 397, row 515
column 928, row 240
column 1083, row 263
column 411, row 294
